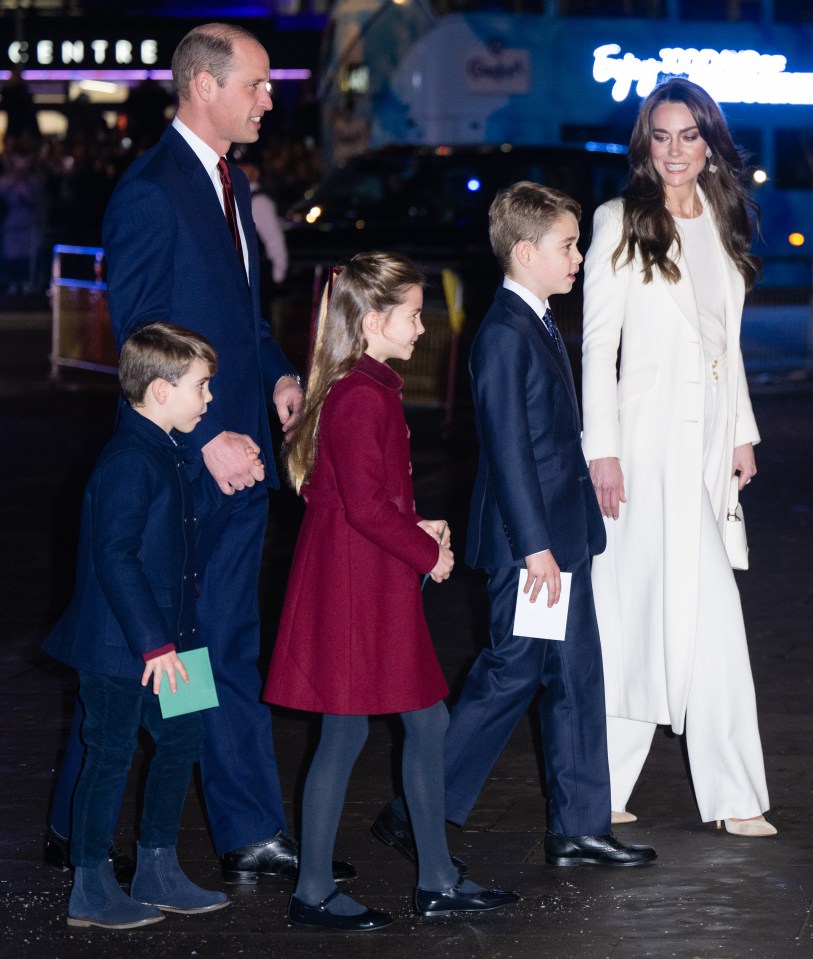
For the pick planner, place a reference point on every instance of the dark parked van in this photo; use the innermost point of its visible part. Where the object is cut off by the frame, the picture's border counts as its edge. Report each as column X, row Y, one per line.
column 432, row 203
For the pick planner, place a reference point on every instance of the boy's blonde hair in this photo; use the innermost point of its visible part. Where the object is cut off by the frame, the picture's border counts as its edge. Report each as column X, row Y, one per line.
column 525, row 211
column 160, row 351
column 370, row 282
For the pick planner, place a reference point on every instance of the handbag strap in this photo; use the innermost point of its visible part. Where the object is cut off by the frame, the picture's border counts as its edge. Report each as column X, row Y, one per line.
column 733, row 496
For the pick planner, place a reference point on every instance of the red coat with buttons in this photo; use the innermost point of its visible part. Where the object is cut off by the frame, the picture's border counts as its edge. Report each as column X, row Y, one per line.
column 353, row 639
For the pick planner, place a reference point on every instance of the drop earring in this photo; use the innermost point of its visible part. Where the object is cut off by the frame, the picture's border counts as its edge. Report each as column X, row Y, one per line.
column 712, row 166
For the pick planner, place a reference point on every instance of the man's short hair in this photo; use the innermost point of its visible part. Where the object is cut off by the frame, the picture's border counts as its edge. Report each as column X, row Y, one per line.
column 525, row 211
column 160, row 351
column 208, row 48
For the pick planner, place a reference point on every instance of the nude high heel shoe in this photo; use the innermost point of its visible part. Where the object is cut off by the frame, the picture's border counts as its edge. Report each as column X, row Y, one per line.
column 622, row 817
column 758, row 826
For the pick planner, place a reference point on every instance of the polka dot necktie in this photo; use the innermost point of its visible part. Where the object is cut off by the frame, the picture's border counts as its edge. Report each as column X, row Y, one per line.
column 553, row 329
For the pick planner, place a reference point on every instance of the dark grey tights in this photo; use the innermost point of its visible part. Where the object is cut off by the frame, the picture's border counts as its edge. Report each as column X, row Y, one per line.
column 342, row 740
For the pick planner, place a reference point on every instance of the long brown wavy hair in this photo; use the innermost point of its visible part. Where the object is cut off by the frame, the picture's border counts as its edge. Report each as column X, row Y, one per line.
column 370, row 282
column 648, row 227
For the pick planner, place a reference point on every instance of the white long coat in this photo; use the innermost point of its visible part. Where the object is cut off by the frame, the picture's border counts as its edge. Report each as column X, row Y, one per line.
column 652, row 418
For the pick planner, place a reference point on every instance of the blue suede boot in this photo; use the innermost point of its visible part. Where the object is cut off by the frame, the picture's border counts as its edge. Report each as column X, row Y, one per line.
column 98, row 900
column 160, row 882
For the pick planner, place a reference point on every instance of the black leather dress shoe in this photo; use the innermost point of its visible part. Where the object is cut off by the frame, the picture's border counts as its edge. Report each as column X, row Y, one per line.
column 444, row 901
column 301, row 914
column 278, row 858
column 56, row 852
column 594, row 850
column 396, row 831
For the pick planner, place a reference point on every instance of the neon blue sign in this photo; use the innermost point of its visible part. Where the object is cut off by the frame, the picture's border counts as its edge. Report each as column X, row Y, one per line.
column 730, row 76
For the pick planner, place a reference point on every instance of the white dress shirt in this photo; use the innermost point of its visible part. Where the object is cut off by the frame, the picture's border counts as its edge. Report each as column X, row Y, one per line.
column 530, row 298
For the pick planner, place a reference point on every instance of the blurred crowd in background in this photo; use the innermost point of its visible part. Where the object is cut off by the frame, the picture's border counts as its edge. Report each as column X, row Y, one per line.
column 55, row 190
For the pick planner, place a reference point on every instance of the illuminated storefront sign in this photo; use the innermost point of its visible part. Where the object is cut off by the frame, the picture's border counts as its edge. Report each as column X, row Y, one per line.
column 730, row 76
column 65, row 53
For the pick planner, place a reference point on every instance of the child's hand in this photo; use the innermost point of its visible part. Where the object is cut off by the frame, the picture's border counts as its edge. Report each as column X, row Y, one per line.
column 170, row 664
column 438, row 529
column 444, row 565
column 543, row 569
column 256, row 465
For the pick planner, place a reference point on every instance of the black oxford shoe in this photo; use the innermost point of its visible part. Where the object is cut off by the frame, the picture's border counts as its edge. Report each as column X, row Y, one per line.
column 278, row 858
column 301, row 914
column 396, row 831
column 430, row 903
column 56, row 852
column 594, row 850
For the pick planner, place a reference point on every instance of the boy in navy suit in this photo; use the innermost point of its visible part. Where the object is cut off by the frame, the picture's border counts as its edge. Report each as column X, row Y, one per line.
column 133, row 609
column 533, row 509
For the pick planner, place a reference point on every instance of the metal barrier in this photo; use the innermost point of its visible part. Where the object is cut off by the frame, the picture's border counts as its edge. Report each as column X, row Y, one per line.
column 81, row 335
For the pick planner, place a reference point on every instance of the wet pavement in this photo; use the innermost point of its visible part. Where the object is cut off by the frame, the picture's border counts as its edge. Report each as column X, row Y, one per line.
column 708, row 895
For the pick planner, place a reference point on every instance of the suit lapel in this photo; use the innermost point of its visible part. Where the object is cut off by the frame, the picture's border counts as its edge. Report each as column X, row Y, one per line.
column 560, row 360
column 208, row 212
column 242, row 197
column 682, row 292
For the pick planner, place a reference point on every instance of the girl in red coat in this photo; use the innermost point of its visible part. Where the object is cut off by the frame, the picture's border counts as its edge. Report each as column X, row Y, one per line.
column 353, row 640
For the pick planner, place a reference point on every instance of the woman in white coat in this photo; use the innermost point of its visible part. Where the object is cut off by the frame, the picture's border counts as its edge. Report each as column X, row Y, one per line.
column 665, row 278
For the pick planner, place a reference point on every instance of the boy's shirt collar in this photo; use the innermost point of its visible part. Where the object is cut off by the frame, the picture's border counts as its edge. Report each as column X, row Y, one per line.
column 525, row 294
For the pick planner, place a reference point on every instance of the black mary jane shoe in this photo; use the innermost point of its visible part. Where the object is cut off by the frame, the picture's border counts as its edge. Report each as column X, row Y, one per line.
column 440, row 903
column 301, row 914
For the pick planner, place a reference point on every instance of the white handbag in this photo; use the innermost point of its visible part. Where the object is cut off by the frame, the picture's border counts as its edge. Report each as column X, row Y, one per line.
column 736, row 544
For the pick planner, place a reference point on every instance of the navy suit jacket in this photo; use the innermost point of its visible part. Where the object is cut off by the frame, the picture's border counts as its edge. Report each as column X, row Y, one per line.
column 135, row 572
column 170, row 256
column 533, row 489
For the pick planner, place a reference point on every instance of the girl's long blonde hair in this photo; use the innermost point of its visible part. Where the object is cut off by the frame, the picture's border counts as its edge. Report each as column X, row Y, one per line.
column 370, row 282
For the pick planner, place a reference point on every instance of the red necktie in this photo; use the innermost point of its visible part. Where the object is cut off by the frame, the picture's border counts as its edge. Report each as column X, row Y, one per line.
column 228, row 204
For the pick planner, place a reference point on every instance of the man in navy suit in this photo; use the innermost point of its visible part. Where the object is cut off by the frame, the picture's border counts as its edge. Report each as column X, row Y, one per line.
column 175, row 250
column 533, row 508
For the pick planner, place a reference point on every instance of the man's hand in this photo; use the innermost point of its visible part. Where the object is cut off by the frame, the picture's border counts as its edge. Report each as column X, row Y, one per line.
column 170, row 664
column 608, row 482
column 288, row 400
column 543, row 570
column 233, row 460
column 744, row 463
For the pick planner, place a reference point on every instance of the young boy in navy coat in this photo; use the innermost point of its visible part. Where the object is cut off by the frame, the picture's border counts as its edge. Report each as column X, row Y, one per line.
column 133, row 609
column 533, row 513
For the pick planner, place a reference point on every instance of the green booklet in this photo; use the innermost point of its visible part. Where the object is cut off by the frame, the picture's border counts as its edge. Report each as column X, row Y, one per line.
column 198, row 693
